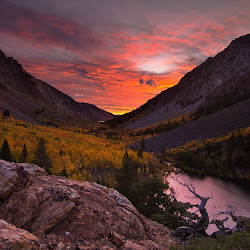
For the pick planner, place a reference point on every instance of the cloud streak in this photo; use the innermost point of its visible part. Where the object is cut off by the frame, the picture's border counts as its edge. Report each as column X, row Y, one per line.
column 96, row 51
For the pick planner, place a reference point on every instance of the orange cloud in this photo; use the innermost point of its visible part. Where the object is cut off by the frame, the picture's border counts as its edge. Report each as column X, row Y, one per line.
column 102, row 63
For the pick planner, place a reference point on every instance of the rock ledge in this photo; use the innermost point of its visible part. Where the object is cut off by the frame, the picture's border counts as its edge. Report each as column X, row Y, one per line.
column 60, row 213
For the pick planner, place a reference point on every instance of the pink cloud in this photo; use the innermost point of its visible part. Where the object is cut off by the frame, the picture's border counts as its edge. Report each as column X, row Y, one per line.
column 102, row 63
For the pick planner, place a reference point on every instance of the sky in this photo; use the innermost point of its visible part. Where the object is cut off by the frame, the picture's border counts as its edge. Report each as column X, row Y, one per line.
column 117, row 54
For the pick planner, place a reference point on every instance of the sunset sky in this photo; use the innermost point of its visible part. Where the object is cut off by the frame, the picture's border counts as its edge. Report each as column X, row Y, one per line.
column 117, row 54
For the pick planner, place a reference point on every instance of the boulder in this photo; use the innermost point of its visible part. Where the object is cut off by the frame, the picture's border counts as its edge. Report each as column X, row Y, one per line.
column 16, row 175
column 117, row 239
column 218, row 233
column 12, row 237
column 183, row 232
column 68, row 213
column 8, row 178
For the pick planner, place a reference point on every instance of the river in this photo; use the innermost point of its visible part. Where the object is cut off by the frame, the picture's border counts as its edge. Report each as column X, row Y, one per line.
column 225, row 192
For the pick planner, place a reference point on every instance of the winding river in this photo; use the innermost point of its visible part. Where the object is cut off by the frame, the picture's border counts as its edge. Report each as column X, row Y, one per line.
column 225, row 193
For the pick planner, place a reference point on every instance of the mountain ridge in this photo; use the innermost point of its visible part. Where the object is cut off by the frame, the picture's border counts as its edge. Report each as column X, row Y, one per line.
column 228, row 68
column 217, row 124
column 37, row 95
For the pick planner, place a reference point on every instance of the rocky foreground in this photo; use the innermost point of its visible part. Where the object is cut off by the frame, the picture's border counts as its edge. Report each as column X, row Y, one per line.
column 38, row 211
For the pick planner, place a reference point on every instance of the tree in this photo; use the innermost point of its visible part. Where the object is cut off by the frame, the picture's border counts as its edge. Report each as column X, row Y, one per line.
column 24, row 155
column 231, row 212
column 127, row 175
column 61, row 152
column 196, row 228
column 142, row 148
column 142, row 144
column 148, row 196
column 125, row 160
column 41, row 157
column 64, row 172
column 5, row 152
column 6, row 113
column 163, row 154
column 150, row 199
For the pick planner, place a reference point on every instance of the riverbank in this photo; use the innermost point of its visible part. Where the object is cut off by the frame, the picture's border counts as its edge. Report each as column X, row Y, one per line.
column 226, row 156
column 225, row 192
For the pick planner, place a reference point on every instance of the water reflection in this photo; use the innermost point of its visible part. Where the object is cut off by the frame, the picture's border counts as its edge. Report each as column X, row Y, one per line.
column 225, row 193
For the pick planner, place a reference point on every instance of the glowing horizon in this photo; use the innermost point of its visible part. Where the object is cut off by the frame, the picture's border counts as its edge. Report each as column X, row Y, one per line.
column 117, row 54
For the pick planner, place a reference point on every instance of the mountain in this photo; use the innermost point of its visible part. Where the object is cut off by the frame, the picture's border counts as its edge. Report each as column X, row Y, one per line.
column 217, row 124
column 217, row 83
column 36, row 101
column 38, row 211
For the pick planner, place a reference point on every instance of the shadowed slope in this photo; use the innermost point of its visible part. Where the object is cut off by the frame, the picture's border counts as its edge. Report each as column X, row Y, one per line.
column 36, row 101
column 216, row 124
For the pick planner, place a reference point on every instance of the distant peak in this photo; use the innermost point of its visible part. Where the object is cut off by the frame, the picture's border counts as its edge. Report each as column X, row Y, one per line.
column 247, row 36
column 242, row 40
column 9, row 60
column 2, row 55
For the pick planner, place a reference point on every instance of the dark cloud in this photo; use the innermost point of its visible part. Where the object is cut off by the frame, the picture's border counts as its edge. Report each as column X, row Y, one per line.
column 81, row 71
column 141, row 81
column 149, row 82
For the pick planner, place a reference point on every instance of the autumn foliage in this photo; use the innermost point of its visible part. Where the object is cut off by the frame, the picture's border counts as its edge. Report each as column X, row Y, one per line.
column 73, row 153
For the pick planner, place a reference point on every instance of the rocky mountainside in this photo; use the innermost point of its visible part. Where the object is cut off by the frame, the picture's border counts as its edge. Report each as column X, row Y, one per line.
column 217, row 83
column 38, row 211
column 217, row 124
column 36, row 101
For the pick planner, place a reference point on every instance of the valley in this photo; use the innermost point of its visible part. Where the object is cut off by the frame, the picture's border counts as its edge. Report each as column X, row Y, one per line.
column 200, row 126
column 85, row 154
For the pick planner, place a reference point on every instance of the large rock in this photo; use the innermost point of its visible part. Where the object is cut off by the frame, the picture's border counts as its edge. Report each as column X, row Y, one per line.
column 14, row 175
column 16, row 238
column 67, row 213
column 8, row 178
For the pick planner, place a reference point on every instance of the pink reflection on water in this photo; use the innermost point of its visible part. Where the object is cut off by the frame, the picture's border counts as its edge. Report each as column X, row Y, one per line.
column 224, row 193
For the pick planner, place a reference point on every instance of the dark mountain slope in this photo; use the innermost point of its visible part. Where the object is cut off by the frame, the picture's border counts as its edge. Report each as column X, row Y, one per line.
column 214, row 125
column 36, row 101
column 218, row 82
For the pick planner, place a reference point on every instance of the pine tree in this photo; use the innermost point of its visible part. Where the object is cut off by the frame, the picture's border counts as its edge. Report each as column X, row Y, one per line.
column 142, row 148
column 125, row 160
column 127, row 175
column 64, row 172
column 162, row 155
column 60, row 152
column 24, row 155
column 6, row 113
column 41, row 157
column 5, row 152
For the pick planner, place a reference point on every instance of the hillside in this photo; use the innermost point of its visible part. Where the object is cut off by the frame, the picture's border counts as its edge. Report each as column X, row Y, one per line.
column 57, row 213
column 36, row 101
column 225, row 156
column 216, row 124
column 84, row 154
column 217, row 83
